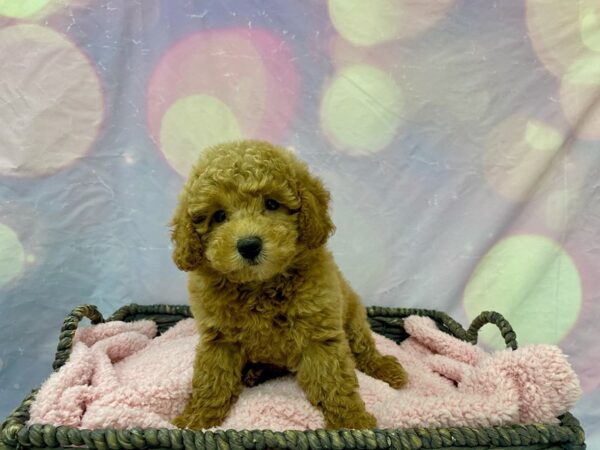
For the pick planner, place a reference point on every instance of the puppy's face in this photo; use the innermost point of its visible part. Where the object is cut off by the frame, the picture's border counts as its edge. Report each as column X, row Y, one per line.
column 246, row 234
column 247, row 211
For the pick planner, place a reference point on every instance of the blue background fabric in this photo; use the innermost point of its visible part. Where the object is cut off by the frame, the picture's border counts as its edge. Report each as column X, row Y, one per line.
column 459, row 139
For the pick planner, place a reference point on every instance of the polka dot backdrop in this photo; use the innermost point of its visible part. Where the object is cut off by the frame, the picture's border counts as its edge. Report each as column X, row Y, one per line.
column 459, row 140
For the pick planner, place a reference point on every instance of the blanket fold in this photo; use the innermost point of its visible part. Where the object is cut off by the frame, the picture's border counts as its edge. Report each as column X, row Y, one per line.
column 120, row 375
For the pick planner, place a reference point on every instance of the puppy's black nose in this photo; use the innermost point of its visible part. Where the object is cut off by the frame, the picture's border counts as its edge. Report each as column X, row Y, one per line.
column 249, row 247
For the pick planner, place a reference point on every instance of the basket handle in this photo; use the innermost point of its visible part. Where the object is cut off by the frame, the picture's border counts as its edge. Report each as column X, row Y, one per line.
column 510, row 338
column 67, row 332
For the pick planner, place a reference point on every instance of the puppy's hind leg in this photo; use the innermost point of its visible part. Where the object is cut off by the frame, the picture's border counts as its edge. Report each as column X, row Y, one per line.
column 367, row 357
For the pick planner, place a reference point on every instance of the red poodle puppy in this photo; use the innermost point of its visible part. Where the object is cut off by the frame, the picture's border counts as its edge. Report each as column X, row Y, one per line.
column 250, row 229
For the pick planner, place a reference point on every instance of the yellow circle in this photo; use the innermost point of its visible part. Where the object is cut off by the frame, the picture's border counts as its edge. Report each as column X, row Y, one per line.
column 361, row 109
column 193, row 123
column 12, row 255
column 589, row 26
column 21, row 8
column 366, row 23
column 540, row 136
column 584, row 71
column 533, row 282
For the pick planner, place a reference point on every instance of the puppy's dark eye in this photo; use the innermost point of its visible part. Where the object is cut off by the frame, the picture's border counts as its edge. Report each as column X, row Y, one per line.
column 271, row 204
column 219, row 216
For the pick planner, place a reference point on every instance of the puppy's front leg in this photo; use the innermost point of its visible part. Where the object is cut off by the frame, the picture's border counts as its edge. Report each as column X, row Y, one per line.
column 326, row 373
column 216, row 385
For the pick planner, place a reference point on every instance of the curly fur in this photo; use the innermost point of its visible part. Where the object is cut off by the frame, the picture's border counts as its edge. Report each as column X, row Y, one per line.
column 289, row 310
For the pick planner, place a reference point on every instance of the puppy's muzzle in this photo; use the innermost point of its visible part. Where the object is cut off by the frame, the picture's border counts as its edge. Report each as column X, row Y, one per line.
column 250, row 247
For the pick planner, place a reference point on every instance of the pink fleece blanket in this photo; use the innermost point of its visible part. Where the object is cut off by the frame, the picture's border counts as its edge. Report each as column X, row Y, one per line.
column 119, row 375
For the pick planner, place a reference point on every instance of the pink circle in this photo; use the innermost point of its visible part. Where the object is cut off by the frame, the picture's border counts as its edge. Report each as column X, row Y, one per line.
column 250, row 70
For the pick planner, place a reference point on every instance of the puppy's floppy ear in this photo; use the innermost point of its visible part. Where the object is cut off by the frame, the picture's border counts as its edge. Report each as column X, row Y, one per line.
column 187, row 253
column 314, row 223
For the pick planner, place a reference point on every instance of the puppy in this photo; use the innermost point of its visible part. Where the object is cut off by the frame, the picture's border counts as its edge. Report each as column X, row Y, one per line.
column 250, row 229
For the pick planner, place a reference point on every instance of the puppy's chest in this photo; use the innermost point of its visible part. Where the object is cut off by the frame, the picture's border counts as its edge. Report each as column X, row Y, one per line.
column 268, row 329
column 262, row 319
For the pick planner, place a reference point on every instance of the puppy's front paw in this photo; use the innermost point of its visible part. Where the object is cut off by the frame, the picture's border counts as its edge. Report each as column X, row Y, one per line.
column 357, row 421
column 195, row 421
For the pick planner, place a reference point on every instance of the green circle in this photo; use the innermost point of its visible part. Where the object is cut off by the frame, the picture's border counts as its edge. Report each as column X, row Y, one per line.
column 540, row 136
column 533, row 283
column 12, row 255
column 366, row 22
column 589, row 27
column 21, row 8
column 583, row 71
column 361, row 110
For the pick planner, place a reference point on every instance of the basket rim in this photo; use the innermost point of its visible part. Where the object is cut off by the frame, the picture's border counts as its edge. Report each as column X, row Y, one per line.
column 15, row 433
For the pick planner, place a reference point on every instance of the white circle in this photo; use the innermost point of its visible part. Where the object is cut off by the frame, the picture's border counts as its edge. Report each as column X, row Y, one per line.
column 51, row 102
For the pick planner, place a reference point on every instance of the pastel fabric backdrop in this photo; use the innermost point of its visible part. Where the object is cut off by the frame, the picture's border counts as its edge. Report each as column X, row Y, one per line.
column 460, row 140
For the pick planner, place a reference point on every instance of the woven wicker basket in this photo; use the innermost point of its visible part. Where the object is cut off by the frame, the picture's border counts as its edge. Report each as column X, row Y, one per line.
column 14, row 433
